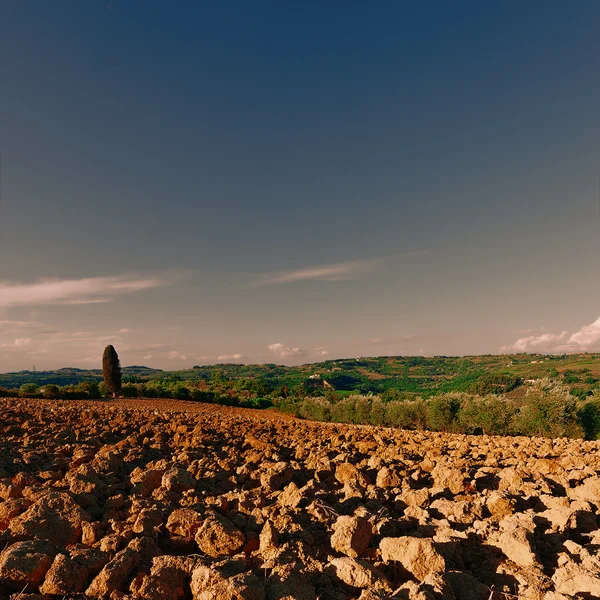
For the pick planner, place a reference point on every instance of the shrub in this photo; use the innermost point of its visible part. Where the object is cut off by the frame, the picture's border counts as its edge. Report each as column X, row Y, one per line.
column 407, row 414
column 589, row 416
column 343, row 411
column 318, row 409
column 129, row 390
column 51, row 391
column 6, row 393
column 29, row 390
column 362, row 409
column 156, row 389
column 89, row 389
column 202, row 395
column 490, row 414
column 442, row 412
column 377, row 415
column 549, row 410
column 180, row 391
column 260, row 403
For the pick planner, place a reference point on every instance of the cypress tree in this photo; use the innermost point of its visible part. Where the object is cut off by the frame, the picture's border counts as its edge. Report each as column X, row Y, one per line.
column 111, row 370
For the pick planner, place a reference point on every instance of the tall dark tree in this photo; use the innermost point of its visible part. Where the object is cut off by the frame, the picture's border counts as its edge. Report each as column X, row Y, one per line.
column 111, row 370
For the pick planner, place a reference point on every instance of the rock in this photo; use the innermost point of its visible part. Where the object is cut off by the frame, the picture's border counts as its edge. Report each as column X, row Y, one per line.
column 268, row 538
column 515, row 539
column 149, row 521
column 500, row 504
column 145, row 481
column 223, row 583
column 24, row 564
column 291, row 496
column 358, row 574
column 65, row 577
column 351, row 535
column 9, row 490
column 466, row 587
column 178, row 480
column 573, row 579
column 184, row 522
column 447, row 479
column 588, row 491
column 115, row 574
column 347, row 473
column 387, row 478
column 54, row 517
column 168, row 579
column 90, row 532
column 218, row 536
column 276, row 475
column 417, row 555
column 9, row 509
column 290, row 586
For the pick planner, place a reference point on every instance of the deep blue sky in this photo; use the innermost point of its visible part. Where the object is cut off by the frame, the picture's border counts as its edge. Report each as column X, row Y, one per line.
column 326, row 178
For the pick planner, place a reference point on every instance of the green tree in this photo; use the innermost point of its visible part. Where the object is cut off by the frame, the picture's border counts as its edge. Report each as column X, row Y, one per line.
column 111, row 370
column 549, row 410
column 28, row 390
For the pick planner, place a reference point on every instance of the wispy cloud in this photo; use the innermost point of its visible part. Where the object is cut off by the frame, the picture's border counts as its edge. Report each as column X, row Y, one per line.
column 332, row 272
column 74, row 291
column 585, row 339
column 342, row 271
column 285, row 351
column 14, row 325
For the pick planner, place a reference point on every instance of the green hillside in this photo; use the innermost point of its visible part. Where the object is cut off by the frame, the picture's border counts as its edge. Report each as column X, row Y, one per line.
column 393, row 376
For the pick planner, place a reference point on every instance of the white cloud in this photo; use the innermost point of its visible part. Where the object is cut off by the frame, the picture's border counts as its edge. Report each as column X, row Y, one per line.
column 89, row 290
column 322, row 352
column 546, row 342
column 285, row 352
column 236, row 356
column 588, row 337
column 585, row 339
column 20, row 342
column 175, row 355
column 147, row 356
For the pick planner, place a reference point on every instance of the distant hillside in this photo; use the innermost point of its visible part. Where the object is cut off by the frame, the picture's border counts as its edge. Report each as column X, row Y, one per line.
column 420, row 375
column 68, row 376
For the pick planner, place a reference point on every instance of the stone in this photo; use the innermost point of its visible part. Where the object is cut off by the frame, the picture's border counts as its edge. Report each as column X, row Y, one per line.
column 167, row 580
column 351, row 535
column 55, row 517
column 223, row 583
column 184, row 522
column 145, row 481
column 347, row 473
column 388, row 478
column 276, row 475
column 115, row 574
column 178, row 480
column 218, row 536
column 417, row 555
column 358, row 574
column 24, row 564
column 65, row 577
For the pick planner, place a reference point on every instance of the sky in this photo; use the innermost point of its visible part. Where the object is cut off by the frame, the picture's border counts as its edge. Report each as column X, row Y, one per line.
column 277, row 181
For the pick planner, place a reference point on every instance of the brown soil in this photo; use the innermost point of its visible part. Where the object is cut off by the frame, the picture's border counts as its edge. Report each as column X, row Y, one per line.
column 163, row 499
